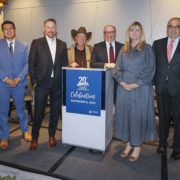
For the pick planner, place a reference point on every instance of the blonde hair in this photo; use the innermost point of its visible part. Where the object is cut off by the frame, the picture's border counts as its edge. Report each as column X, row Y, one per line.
column 142, row 42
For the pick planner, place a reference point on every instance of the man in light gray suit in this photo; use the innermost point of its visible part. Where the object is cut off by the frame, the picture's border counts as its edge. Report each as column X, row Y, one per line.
column 13, row 71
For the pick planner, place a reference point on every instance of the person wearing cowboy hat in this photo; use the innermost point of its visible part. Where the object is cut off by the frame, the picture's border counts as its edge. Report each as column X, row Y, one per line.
column 79, row 54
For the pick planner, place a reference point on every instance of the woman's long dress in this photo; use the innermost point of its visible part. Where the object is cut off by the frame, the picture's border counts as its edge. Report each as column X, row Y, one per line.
column 134, row 116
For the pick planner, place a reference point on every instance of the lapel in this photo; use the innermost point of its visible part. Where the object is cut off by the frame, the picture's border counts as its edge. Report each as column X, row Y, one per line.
column 105, row 54
column 58, row 49
column 47, row 50
column 116, row 50
column 175, row 57
column 164, row 49
column 7, row 51
column 16, row 48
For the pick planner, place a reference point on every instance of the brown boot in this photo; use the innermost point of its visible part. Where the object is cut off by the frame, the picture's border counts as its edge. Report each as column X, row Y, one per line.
column 4, row 144
column 34, row 144
column 52, row 141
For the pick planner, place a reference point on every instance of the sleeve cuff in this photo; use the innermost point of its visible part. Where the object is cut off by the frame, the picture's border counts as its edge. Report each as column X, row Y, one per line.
column 5, row 79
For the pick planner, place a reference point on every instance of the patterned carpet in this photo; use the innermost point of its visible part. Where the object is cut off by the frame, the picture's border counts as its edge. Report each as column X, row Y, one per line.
column 76, row 163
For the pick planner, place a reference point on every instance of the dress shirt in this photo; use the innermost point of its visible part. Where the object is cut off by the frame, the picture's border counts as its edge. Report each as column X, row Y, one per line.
column 174, row 45
column 13, row 44
column 52, row 47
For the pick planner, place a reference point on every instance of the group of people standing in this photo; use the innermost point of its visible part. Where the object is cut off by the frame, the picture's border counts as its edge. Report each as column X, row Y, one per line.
column 135, row 66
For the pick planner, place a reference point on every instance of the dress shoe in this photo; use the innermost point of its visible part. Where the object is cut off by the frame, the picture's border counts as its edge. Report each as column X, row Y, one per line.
column 52, row 142
column 175, row 155
column 161, row 150
column 27, row 136
column 4, row 144
column 135, row 154
column 34, row 144
column 127, row 150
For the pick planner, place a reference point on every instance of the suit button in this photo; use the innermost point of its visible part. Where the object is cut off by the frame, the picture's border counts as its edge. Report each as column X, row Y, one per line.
column 169, row 66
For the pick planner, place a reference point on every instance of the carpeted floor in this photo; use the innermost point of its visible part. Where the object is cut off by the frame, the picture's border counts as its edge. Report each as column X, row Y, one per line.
column 68, row 162
column 8, row 173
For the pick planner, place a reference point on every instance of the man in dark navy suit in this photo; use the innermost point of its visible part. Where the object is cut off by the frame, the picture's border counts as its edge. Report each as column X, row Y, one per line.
column 100, row 55
column 167, row 83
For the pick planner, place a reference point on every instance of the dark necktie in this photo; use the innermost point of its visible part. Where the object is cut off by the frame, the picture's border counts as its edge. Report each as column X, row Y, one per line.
column 111, row 53
column 11, row 48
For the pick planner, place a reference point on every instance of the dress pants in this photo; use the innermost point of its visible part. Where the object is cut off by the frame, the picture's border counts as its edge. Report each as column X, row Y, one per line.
column 41, row 95
column 169, row 106
column 17, row 93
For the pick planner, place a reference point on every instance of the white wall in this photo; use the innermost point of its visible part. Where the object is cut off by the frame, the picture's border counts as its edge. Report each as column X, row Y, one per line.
column 93, row 14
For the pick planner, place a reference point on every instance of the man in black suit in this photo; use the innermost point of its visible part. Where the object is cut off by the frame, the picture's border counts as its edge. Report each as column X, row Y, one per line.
column 100, row 55
column 46, row 58
column 167, row 83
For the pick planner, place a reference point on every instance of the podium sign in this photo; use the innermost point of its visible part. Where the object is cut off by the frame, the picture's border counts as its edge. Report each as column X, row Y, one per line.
column 87, row 109
column 83, row 92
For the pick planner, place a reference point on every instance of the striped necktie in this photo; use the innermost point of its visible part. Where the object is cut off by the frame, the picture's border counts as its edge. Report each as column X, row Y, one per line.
column 11, row 48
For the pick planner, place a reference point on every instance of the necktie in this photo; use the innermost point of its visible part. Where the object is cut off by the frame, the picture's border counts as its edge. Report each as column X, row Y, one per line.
column 169, row 50
column 11, row 47
column 111, row 53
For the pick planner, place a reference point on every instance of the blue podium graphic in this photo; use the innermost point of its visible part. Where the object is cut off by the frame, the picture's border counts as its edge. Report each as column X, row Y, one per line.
column 83, row 92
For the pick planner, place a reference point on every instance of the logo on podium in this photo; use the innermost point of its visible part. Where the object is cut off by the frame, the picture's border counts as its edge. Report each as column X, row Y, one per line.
column 83, row 92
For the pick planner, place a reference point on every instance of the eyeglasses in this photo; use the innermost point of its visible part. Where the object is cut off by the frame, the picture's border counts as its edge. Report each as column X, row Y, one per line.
column 174, row 27
column 109, row 32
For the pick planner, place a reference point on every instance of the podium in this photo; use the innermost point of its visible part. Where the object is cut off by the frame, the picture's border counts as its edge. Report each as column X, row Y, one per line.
column 87, row 108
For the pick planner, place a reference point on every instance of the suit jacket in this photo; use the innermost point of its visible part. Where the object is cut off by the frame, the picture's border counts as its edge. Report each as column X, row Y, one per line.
column 13, row 66
column 71, row 54
column 165, row 69
column 100, row 55
column 41, row 63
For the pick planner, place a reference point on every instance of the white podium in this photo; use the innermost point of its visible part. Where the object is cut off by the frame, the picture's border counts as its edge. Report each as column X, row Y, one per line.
column 87, row 110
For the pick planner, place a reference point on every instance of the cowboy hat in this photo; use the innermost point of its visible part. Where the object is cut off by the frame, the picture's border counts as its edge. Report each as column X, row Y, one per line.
column 81, row 30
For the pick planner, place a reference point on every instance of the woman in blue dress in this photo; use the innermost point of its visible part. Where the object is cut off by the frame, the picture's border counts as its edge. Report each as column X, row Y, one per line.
column 134, row 71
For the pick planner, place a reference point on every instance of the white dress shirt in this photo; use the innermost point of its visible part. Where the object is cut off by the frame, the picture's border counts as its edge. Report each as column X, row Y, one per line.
column 13, row 43
column 52, row 47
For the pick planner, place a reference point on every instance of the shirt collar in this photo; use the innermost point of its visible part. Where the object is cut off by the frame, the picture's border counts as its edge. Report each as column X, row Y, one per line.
column 108, row 43
column 10, row 41
column 176, row 40
column 51, row 40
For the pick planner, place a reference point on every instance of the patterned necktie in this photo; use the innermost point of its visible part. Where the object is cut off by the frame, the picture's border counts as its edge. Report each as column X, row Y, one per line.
column 11, row 48
column 169, row 50
column 111, row 53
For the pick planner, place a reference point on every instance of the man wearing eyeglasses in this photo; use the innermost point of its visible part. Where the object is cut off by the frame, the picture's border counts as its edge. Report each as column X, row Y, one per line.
column 105, row 53
column 167, row 83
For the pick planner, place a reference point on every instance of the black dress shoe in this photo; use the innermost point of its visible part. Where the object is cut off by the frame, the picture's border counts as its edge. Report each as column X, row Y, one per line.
column 175, row 155
column 161, row 150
